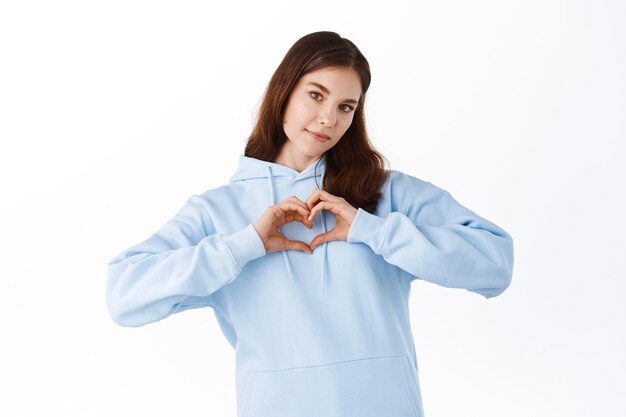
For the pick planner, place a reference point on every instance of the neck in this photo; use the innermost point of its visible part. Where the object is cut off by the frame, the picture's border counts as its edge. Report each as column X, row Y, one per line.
column 297, row 162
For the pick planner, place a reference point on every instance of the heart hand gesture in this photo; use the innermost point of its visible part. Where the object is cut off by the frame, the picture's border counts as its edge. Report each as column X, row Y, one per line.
column 344, row 214
column 293, row 209
column 289, row 210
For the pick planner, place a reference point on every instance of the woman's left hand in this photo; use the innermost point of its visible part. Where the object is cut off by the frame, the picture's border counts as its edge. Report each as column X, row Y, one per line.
column 344, row 215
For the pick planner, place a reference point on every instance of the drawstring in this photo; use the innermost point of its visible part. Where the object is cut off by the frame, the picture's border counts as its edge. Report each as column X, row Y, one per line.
column 270, row 180
column 272, row 202
column 325, row 252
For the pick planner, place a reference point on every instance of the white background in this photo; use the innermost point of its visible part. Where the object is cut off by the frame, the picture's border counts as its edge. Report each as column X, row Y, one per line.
column 113, row 113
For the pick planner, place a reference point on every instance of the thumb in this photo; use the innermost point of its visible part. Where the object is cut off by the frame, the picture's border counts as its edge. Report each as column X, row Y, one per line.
column 319, row 239
column 297, row 245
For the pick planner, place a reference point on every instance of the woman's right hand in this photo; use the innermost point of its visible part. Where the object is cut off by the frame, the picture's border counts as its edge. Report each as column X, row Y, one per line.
column 289, row 210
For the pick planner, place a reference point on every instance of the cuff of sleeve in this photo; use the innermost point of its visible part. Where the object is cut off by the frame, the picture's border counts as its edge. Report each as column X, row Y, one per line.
column 367, row 228
column 245, row 245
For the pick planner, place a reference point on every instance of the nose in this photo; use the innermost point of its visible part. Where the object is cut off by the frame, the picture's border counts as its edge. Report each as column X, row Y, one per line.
column 327, row 116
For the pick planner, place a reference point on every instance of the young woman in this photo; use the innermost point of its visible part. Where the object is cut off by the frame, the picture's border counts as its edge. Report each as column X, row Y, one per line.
column 308, row 254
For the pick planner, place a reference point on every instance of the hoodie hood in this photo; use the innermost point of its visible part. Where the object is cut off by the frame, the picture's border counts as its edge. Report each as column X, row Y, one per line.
column 253, row 168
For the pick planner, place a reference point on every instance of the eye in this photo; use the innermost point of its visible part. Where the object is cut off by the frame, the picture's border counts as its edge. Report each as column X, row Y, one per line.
column 317, row 97
column 347, row 108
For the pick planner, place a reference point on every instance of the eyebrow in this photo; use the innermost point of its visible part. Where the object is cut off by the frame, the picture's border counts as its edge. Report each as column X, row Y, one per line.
column 325, row 90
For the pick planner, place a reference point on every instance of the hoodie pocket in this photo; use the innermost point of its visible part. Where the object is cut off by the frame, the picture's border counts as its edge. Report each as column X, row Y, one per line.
column 370, row 387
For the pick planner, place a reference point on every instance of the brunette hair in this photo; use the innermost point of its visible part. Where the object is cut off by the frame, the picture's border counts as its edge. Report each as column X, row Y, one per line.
column 355, row 170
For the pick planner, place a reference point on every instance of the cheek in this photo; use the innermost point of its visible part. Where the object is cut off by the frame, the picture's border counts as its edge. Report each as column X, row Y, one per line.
column 298, row 112
column 292, row 110
column 346, row 122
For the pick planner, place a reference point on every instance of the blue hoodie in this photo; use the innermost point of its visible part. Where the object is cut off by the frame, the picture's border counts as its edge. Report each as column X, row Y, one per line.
column 321, row 334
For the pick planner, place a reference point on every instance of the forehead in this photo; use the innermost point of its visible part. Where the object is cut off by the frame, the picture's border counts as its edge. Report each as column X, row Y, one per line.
column 341, row 81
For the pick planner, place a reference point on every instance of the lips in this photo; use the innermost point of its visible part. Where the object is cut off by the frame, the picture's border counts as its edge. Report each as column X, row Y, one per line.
column 319, row 136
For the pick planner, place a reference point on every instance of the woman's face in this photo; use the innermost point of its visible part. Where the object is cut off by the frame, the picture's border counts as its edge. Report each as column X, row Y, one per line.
column 323, row 102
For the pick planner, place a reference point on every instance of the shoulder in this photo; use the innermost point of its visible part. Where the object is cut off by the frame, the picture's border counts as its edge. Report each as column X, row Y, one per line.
column 203, row 200
column 419, row 199
column 401, row 179
column 408, row 187
column 215, row 194
column 201, row 207
column 216, row 199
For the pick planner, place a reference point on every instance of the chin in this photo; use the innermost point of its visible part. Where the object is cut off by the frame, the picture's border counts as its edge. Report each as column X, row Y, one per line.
column 311, row 151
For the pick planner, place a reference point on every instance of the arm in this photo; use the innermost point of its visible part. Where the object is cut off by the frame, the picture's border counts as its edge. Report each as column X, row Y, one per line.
column 177, row 268
column 440, row 241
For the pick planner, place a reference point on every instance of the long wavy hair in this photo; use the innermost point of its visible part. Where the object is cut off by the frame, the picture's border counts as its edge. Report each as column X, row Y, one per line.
column 355, row 170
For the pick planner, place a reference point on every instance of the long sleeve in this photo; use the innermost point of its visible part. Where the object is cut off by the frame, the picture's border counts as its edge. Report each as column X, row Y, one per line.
column 439, row 240
column 177, row 268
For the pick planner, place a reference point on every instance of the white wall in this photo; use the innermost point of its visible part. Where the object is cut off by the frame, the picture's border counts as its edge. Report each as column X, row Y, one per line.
column 113, row 113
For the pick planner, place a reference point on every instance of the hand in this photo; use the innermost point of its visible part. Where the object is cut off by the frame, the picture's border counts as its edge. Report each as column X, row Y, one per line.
column 289, row 210
column 344, row 214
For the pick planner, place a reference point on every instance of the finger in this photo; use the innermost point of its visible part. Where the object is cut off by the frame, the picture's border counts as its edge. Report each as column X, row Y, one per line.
column 324, row 205
column 287, row 209
column 318, row 195
column 312, row 198
column 298, row 206
column 319, row 239
column 329, row 236
column 288, row 212
column 305, row 220
column 295, row 200
column 298, row 245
